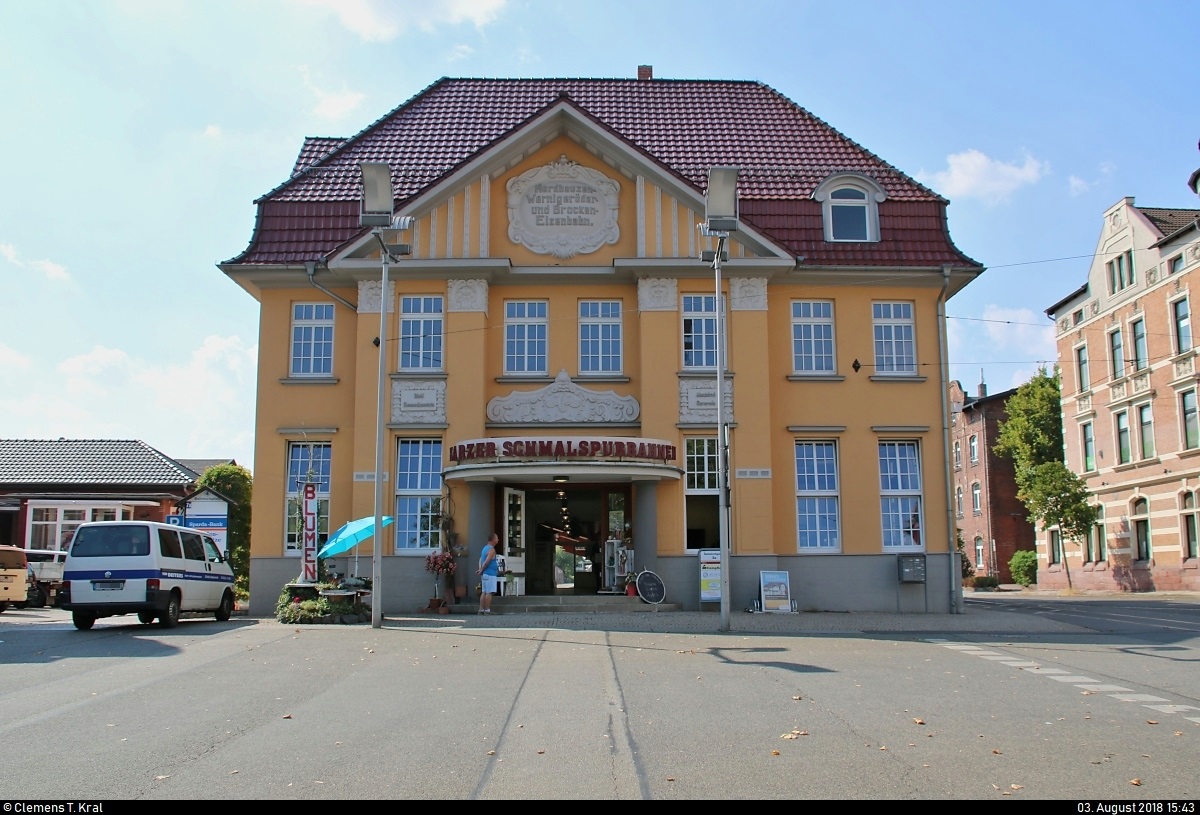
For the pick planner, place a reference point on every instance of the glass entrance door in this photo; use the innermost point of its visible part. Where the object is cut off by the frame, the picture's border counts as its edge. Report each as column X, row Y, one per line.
column 515, row 544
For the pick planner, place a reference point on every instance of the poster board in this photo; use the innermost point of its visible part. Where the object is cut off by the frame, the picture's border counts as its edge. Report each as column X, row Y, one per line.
column 710, row 575
column 775, row 592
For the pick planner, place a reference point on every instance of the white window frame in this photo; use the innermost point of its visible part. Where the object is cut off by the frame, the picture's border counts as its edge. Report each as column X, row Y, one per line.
column 867, row 196
column 894, row 325
column 901, row 495
column 1087, row 446
column 1145, row 427
column 1083, row 374
column 601, row 349
column 1181, row 324
column 978, row 551
column 422, row 333
column 958, row 501
column 320, row 454
column 818, row 498
column 1141, row 355
column 973, row 448
column 958, row 455
column 813, row 348
column 699, row 315
column 417, row 498
column 526, row 337
column 1189, row 525
column 976, row 497
column 1120, row 272
column 1189, row 419
column 1123, row 432
column 310, row 351
column 1116, row 354
column 700, row 481
column 50, row 525
column 1139, row 523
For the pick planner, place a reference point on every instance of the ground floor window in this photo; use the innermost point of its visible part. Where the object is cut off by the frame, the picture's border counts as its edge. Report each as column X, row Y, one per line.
column 701, row 493
column 978, row 552
column 900, row 494
column 1054, row 553
column 52, row 527
column 1187, row 525
column 308, row 463
column 418, row 494
column 817, row 514
column 1099, row 537
column 1141, row 529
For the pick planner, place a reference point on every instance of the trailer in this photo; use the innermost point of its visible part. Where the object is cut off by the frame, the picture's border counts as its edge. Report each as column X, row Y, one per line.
column 47, row 568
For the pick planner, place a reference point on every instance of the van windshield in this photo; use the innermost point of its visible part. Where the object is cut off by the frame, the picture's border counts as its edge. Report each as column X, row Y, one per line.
column 111, row 540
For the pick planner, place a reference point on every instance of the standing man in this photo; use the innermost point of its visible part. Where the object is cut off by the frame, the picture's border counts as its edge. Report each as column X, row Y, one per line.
column 489, row 573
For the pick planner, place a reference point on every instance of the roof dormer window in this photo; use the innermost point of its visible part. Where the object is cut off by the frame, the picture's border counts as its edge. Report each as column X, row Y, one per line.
column 849, row 208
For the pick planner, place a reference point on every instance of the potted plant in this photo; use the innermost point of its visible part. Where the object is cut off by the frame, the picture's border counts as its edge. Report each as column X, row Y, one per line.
column 443, row 566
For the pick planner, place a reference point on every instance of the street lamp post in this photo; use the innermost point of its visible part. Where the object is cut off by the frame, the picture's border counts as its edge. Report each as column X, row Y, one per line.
column 721, row 218
column 378, row 205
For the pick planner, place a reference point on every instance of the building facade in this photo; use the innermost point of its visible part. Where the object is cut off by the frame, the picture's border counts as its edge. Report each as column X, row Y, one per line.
column 993, row 522
column 551, row 353
column 1129, row 401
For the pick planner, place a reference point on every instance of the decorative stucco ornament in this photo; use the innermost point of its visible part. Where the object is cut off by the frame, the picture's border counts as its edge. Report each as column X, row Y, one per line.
column 563, row 209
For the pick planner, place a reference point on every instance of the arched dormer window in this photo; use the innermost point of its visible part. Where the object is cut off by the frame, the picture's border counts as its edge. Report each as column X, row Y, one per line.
column 850, row 207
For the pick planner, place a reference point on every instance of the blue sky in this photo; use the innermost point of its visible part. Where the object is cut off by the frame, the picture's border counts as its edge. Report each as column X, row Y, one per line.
column 137, row 134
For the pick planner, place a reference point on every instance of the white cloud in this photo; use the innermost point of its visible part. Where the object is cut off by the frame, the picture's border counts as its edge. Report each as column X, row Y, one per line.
column 212, row 132
column 198, row 406
column 1077, row 185
column 1024, row 332
column 331, row 105
column 461, row 51
column 48, row 268
column 384, row 20
column 972, row 174
column 11, row 358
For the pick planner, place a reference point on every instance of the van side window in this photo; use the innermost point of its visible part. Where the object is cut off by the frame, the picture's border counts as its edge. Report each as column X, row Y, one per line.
column 212, row 550
column 193, row 549
column 168, row 543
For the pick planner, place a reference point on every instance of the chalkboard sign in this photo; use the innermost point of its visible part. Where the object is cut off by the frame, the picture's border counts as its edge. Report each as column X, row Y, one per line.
column 650, row 588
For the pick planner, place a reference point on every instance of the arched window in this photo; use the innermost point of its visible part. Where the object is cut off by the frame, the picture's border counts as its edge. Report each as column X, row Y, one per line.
column 1187, row 525
column 958, row 455
column 958, row 498
column 978, row 552
column 850, row 207
column 1100, row 536
column 976, row 497
column 1140, row 515
column 973, row 446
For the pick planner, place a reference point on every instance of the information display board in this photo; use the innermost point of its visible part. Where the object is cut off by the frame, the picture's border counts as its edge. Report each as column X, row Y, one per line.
column 651, row 588
column 775, row 591
column 710, row 575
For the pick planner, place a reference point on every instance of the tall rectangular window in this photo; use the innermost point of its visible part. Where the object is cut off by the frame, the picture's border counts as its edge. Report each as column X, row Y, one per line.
column 817, row 515
column 699, row 331
column 1120, row 272
column 1116, row 349
column 1146, row 431
column 812, row 336
column 976, row 498
column 308, row 462
column 1187, row 526
column 418, row 494
column 900, row 495
column 421, row 333
column 895, row 338
column 1191, row 428
column 1124, row 454
column 600, row 337
column 312, row 339
column 1089, row 447
column 1081, row 368
column 1055, row 546
column 1140, row 356
column 700, row 493
column 1182, row 319
column 973, row 448
column 1098, row 535
column 526, row 327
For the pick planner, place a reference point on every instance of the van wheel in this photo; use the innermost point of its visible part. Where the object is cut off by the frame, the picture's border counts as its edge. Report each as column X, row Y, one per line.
column 42, row 600
column 225, row 610
column 83, row 622
column 145, row 617
column 170, row 617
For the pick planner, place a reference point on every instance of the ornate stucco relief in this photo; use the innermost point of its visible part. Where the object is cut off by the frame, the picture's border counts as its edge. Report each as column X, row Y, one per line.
column 563, row 209
column 748, row 294
column 658, row 294
column 467, row 295
column 698, row 403
column 562, row 401
column 417, row 401
column 368, row 296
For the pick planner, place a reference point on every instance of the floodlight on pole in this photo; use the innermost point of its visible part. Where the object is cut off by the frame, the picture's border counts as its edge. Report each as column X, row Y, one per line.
column 377, row 211
column 721, row 218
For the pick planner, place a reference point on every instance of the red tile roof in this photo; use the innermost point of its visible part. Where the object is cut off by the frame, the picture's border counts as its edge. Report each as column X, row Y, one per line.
column 685, row 126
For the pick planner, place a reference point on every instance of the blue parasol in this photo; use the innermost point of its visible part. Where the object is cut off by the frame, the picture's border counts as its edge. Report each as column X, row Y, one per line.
column 349, row 535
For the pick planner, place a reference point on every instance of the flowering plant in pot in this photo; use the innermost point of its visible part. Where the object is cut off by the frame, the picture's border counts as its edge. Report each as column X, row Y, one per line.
column 443, row 565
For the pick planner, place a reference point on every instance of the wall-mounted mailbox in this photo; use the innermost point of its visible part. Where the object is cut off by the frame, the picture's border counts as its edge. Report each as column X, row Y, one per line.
column 911, row 568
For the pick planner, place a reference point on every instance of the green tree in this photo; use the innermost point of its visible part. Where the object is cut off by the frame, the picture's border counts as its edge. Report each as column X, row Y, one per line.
column 234, row 482
column 1032, row 437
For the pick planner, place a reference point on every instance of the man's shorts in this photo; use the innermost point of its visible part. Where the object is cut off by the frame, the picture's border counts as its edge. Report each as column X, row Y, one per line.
column 490, row 583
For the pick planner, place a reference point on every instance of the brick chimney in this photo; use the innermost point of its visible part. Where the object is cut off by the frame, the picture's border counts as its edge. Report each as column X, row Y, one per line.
column 645, row 72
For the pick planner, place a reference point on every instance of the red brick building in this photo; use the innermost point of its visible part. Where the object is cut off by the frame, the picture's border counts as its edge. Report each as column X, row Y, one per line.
column 993, row 522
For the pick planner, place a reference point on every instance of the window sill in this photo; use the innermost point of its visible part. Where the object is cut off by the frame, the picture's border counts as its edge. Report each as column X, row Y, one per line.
column 418, row 373
column 617, row 378
column 506, row 378
column 802, row 377
column 309, row 380
column 1189, row 563
column 898, row 378
column 1142, row 565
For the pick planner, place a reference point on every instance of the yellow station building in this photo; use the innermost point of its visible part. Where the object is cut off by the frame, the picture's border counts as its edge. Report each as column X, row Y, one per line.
column 551, row 345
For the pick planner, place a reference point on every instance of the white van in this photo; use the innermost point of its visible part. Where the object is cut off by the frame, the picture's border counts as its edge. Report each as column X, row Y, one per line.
column 150, row 569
